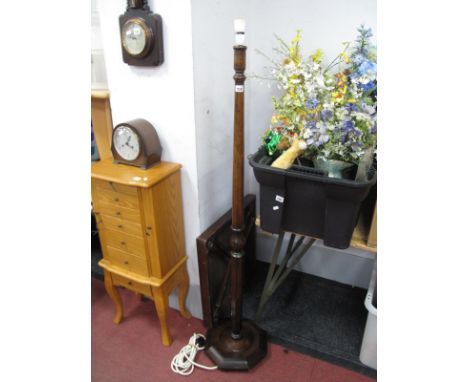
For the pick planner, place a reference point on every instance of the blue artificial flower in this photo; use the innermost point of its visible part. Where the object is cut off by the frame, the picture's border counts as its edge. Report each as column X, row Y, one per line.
column 326, row 114
column 367, row 67
column 311, row 125
column 366, row 87
column 351, row 107
column 358, row 59
column 373, row 129
column 365, row 33
column 348, row 126
column 312, row 103
column 322, row 139
column 362, row 43
column 343, row 137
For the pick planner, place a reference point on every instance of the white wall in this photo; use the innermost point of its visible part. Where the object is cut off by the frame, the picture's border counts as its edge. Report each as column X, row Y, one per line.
column 164, row 96
column 213, row 38
column 98, row 65
column 324, row 24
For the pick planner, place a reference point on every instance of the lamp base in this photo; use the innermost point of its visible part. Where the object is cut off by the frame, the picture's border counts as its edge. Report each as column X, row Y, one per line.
column 231, row 354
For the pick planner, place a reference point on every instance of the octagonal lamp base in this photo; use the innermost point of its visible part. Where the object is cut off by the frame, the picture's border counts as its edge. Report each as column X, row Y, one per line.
column 231, row 354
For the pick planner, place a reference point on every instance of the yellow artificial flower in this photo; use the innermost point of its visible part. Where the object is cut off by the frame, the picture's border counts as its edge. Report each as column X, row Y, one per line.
column 294, row 48
column 317, row 56
column 345, row 57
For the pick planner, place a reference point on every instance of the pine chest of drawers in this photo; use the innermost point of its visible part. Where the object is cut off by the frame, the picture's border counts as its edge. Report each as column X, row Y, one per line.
column 140, row 221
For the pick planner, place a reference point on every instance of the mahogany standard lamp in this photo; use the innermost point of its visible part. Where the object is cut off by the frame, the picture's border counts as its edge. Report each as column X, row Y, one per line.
column 237, row 344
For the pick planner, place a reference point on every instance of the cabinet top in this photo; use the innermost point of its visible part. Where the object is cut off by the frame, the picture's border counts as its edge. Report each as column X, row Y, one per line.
column 106, row 169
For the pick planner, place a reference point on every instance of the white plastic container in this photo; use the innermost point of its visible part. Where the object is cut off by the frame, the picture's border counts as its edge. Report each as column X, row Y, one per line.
column 368, row 354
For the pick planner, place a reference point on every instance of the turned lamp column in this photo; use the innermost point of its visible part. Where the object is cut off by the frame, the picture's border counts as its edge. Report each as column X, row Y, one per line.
column 237, row 238
column 237, row 344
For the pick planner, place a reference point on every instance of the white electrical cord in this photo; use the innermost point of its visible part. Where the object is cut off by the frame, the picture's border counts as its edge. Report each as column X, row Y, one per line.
column 183, row 363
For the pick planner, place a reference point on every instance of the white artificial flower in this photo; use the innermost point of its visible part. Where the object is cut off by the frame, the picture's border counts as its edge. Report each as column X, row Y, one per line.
column 302, row 145
column 290, row 65
column 322, row 126
column 364, row 79
column 367, row 108
column 307, row 133
column 320, row 81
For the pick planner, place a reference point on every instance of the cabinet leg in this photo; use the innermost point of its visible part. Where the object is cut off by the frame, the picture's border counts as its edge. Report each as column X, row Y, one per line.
column 114, row 295
column 161, row 303
column 183, row 291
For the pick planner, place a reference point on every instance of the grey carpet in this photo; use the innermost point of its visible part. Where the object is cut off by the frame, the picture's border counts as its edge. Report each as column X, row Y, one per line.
column 312, row 315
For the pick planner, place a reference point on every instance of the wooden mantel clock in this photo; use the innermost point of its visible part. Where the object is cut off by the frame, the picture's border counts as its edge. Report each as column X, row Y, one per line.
column 141, row 229
column 141, row 35
column 136, row 143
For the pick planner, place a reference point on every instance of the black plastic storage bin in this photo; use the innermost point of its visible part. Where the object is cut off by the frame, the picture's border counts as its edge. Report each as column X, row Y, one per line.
column 305, row 201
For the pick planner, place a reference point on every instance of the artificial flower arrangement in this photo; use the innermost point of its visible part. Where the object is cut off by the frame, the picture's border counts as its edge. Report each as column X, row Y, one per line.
column 325, row 113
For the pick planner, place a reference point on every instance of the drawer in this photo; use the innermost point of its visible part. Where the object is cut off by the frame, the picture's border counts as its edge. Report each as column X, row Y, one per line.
column 119, row 212
column 132, row 285
column 121, row 225
column 127, row 261
column 117, row 199
column 115, row 187
column 127, row 243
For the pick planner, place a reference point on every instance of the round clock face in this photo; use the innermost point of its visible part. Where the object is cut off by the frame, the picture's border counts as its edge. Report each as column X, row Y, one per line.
column 135, row 37
column 126, row 143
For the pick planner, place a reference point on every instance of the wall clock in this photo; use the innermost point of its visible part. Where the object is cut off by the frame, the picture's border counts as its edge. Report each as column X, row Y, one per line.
column 141, row 35
column 136, row 143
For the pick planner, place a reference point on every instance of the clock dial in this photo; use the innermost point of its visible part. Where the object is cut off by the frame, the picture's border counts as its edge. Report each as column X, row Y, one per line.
column 135, row 37
column 126, row 143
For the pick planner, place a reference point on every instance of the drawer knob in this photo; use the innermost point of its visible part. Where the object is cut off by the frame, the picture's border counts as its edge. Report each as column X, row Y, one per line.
column 122, row 243
column 116, row 199
column 126, row 262
column 129, row 283
column 120, row 226
column 118, row 213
